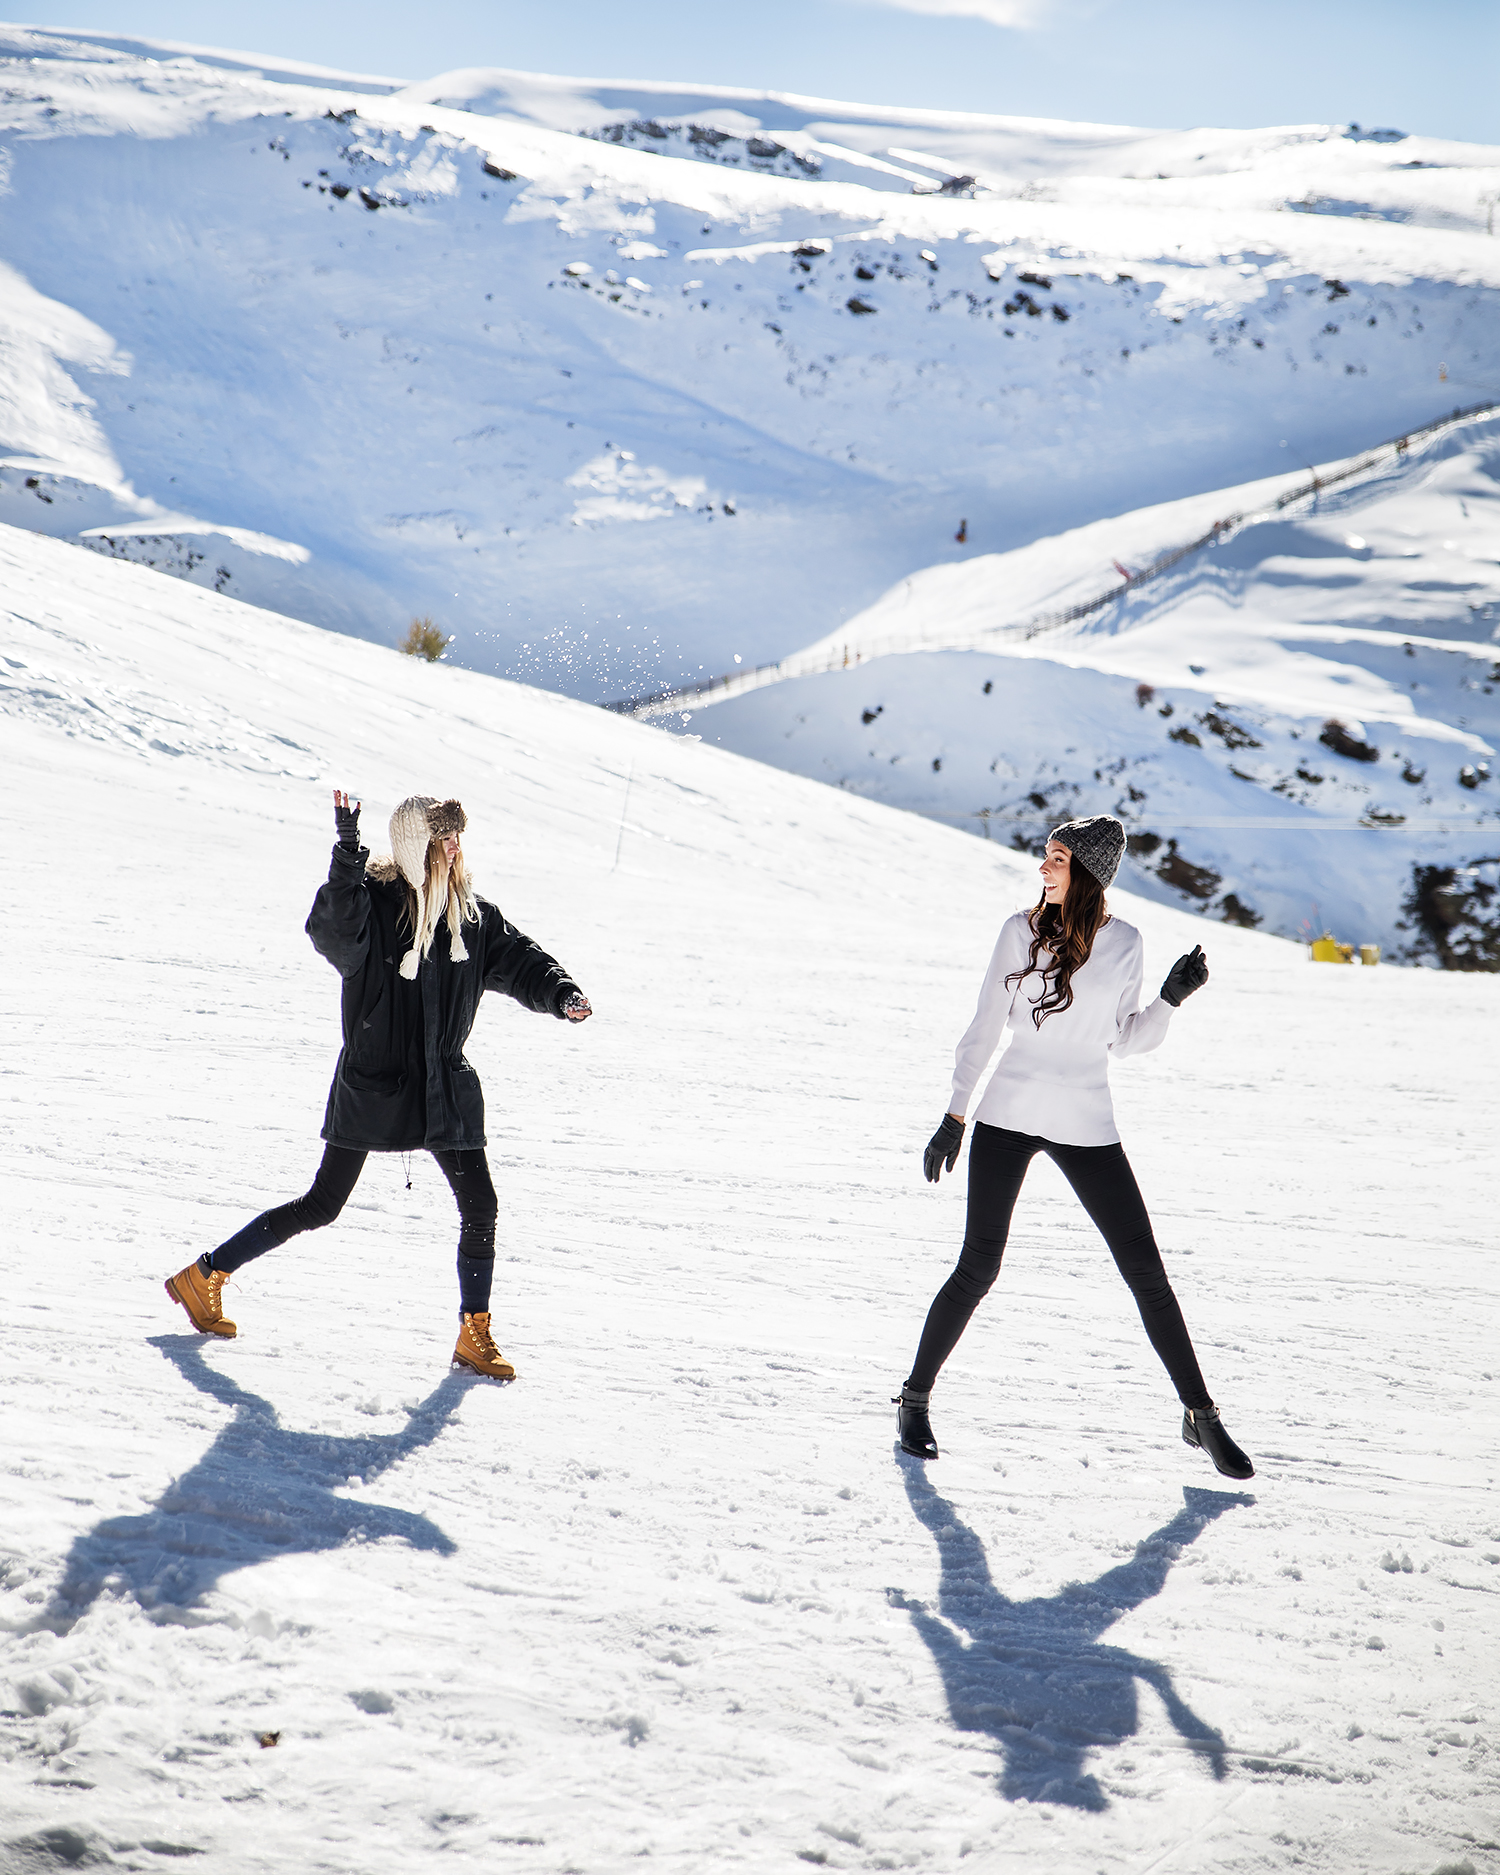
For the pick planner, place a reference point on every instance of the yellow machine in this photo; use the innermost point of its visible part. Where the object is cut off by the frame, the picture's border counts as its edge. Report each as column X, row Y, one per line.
column 1328, row 950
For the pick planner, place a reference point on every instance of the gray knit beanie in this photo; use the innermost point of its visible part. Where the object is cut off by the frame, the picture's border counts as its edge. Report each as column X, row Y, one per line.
column 1097, row 841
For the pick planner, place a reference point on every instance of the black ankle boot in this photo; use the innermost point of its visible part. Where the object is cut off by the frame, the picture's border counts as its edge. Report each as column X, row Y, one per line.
column 1201, row 1426
column 913, row 1424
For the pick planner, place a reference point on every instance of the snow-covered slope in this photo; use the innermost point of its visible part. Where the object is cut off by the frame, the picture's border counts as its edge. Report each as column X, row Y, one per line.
column 671, row 1596
column 1298, row 721
column 474, row 348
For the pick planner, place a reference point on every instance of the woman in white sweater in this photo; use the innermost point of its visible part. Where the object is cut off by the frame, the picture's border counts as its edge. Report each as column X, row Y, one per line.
column 1066, row 979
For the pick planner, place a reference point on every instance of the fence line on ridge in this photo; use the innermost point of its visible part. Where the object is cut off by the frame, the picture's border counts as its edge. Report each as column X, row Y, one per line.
column 734, row 683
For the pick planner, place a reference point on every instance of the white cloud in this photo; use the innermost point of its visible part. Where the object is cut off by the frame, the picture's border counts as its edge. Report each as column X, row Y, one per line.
column 1012, row 13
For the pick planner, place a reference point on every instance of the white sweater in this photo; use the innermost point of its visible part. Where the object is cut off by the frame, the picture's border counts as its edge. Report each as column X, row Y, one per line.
column 1054, row 1081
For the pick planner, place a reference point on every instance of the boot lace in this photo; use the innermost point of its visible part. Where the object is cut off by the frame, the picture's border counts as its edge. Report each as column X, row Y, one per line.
column 216, row 1282
column 479, row 1331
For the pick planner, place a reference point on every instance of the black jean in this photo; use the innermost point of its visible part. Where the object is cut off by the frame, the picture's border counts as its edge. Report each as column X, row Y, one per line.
column 1105, row 1186
column 468, row 1176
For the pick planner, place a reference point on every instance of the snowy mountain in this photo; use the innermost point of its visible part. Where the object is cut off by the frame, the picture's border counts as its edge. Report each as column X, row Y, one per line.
column 620, row 382
column 1297, row 720
column 305, row 1600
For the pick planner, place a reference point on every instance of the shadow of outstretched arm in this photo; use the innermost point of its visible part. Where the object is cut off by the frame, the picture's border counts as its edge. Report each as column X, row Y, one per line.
column 366, row 1455
column 185, row 1352
column 1129, row 1584
column 966, row 1565
column 260, row 1490
column 1035, row 1674
column 1203, row 1737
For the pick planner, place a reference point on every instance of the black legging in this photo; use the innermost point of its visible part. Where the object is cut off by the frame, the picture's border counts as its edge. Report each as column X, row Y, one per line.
column 1105, row 1186
column 468, row 1174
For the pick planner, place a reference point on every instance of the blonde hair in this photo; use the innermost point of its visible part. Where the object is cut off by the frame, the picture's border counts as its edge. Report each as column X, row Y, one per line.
column 448, row 892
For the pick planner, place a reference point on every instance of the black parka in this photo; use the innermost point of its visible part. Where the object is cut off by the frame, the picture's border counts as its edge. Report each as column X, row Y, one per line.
column 402, row 1081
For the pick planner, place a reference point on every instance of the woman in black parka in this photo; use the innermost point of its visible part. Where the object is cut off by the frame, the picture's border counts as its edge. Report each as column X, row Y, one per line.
column 417, row 948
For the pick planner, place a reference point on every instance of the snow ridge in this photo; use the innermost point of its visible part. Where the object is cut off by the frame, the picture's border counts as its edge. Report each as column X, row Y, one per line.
column 332, row 305
column 1284, row 679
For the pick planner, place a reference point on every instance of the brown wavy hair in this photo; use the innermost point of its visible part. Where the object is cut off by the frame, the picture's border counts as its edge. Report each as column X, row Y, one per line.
column 1068, row 932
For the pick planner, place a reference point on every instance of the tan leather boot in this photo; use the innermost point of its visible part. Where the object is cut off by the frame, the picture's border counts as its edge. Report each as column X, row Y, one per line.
column 203, row 1298
column 476, row 1350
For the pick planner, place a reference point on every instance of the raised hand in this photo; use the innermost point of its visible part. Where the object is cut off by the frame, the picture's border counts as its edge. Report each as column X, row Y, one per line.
column 1189, row 973
column 943, row 1145
column 346, row 820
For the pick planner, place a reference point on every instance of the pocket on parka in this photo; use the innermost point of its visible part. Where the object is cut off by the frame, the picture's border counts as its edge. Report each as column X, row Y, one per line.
column 357, row 1082
column 468, row 1097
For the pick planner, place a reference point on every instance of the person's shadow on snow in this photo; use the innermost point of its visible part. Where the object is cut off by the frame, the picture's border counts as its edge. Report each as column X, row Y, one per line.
column 1033, row 1674
column 258, row 1491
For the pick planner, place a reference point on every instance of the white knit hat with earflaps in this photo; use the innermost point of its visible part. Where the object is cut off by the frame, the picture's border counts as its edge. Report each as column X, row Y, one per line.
column 416, row 823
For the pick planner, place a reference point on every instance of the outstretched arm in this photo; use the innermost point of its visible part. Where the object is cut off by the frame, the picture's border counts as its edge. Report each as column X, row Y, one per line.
column 1137, row 1030
column 518, row 967
column 1145, row 1029
column 339, row 922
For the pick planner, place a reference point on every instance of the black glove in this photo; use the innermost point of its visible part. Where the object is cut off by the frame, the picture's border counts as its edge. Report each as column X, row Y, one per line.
column 346, row 819
column 1189, row 973
column 944, row 1144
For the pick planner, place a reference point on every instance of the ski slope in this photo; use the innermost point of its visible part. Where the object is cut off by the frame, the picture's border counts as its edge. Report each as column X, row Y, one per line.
column 673, row 1596
column 1196, row 705
column 621, row 381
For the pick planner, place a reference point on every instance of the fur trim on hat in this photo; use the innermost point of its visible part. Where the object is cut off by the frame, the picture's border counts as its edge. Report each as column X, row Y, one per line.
column 446, row 817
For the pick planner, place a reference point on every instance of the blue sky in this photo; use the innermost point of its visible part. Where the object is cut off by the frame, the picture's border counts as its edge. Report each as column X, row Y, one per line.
column 1431, row 66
